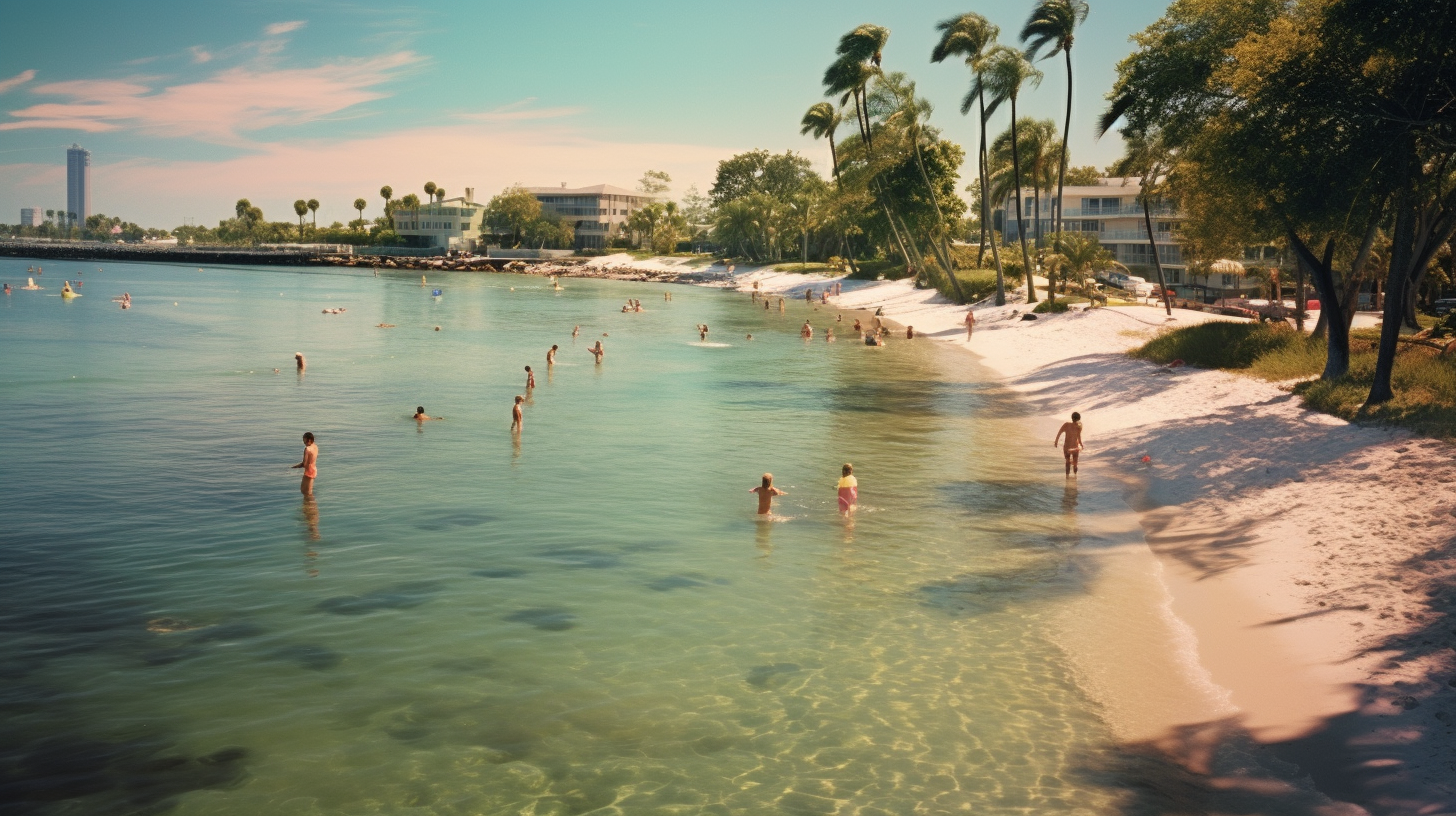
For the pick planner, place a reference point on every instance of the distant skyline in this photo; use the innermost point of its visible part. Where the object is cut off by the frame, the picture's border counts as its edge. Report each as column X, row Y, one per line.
column 187, row 107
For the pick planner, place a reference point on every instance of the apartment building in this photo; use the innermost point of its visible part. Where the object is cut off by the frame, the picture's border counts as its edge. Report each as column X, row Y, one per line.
column 454, row 223
column 597, row 212
column 1110, row 210
column 31, row 216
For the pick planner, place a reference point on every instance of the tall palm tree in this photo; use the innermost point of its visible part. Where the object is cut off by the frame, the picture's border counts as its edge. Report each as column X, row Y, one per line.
column 387, row 193
column 360, row 204
column 300, row 208
column 440, row 193
column 1039, row 149
column 1053, row 23
column 430, row 190
column 822, row 120
column 1146, row 156
column 968, row 36
column 313, row 206
column 1005, row 72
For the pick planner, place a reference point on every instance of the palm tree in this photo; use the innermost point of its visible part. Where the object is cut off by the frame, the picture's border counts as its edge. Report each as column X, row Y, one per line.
column 1053, row 23
column 387, row 193
column 822, row 120
column 1038, row 146
column 968, row 36
column 440, row 193
column 300, row 207
column 313, row 206
column 1006, row 71
column 360, row 204
column 1146, row 156
column 430, row 190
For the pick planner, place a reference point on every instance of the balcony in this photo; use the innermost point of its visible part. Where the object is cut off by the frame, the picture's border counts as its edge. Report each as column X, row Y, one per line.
column 1158, row 211
column 1136, row 235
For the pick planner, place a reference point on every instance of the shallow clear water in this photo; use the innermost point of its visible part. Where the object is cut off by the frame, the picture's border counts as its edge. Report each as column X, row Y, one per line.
column 591, row 618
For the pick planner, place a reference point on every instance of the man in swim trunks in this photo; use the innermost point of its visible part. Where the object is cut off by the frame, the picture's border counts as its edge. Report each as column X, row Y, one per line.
column 518, row 417
column 1073, row 446
column 300, row 362
column 309, row 465
column 530, row 378
column 551, row 356
column 421, row 416
column 766, row 493
column 807, row 332
column 848, row 490
column 598, row 351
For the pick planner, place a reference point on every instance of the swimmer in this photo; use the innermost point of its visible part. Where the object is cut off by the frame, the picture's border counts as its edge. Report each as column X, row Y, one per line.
column 909, row 332
column 857, row 326
column 530, row 378
column 807, row 332
column 702, row 331
column 781, row 305
column 1073, row 446
column 848, row 490
column 551, row 356
column 300, row 362
column 829, row 335
column 766, row 303
column 749, row 337
column 518, row 416
column 766, row 493
column 423, row 282
column 667, row 296
column 276, row 371
column 309, row 465
column 575, row 332
column 824, row 297
column 808, row 295
column 839, row 318
column 421, row 416
column 598, row 351
column 7, row 288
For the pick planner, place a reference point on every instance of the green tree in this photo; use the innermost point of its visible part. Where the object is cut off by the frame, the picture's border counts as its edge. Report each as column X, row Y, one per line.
column 410, row 202
column 969, row 36
column 655, row 182
column 1084, row 176
column 821, row 121
column 511, row 212
column 387, row 193
column 313, row 205
column 360, row 204
column 1053, row 26
column 300, row 208
column 430, row 189
column 1005, row 71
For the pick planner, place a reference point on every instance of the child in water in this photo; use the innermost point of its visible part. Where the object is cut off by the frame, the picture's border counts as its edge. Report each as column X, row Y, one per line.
column 848, row 490
column 766, row 493
column 1073, row 446
column 309, row 465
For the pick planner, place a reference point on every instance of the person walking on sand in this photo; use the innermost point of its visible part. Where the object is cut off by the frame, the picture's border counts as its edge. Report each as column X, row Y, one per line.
column 300, row 362
column 807, row 332
column 970, row 323
column 1073, row 446
column 530, row 378
column 551, row 356
column 766, row 493
column 848, row 489
column 309, row 465
column 518, row 416
column 598, row 351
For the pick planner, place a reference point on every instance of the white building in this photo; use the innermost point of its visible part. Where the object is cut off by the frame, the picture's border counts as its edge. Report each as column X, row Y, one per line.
column 31, row 216
column 454, row 223
column 596, row 212
column 1110, row 210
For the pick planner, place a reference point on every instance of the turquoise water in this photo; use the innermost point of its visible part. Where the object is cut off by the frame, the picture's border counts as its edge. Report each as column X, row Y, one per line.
column 586, row 619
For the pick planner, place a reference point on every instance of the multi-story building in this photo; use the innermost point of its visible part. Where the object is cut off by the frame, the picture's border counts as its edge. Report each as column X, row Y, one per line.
column 78, row 183
column 1110, row 210
column 597, row 212
column 31, row 216
column 454, row 223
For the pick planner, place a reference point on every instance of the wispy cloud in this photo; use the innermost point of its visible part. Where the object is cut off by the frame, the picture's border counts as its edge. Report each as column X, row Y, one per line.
column 279, row 29
column 219, row 109
column 520, row 111
column 16, row 81
column 200, row 54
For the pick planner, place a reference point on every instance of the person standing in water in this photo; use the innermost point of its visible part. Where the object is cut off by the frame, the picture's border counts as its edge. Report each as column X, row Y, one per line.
column 575, row 332
column 309, row 465
column 421, row 416
column 551, row 356
column 598, row 351
column 848, row 489
column 1073, row 446
column 530, row 378
column 807, row 332
column 518, row 416
column 300, row 362
column 703, row 332
column 766, row 493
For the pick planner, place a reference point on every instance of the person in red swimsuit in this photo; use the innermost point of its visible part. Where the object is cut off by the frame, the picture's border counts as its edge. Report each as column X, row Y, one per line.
column 309, row 465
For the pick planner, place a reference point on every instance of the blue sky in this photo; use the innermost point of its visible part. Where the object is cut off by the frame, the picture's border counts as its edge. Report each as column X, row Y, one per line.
column 187, row 107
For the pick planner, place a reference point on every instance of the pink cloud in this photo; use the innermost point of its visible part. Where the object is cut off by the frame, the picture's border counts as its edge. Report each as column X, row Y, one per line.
column 17, row 80
column 278, row 29
column 219, row 109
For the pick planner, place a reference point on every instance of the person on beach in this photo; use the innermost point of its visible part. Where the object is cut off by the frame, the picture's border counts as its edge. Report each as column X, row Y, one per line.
column 909, row 332
column 848, row 489
column 309, row 465
column 970, row 322
column 766, row 303
column 598, row 351
column 575, row 332
column 766, row 493
column 530, row 378
column 518, row 416
column 824, row 297
column 808, row 295
column 421, row 416
column 300, row 362
column 551, row 356
column 1073, row 445
column 807, row 332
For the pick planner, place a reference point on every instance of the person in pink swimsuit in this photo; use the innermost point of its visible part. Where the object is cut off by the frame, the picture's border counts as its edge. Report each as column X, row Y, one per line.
column 309, row 465
column 848, row 490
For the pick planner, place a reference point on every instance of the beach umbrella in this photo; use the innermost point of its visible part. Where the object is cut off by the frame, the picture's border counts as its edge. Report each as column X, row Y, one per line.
column 1224, row 266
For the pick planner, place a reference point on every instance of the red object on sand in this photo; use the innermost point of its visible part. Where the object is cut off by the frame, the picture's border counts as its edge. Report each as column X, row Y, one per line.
column 1147, row 459
column 1312, row 306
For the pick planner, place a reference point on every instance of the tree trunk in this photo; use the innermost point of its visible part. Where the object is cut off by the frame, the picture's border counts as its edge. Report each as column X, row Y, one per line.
column 1337, row 334
column 1350, row 298
column 1062, row 163
column 1153, row 247
column 986, row 229
column 1299, row 298
column 942, row 250
column 1020, row 224
column 1395, row 289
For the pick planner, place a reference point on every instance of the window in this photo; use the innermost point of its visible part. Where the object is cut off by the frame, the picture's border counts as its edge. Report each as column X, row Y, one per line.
column 1173, row 275
column 1091, row 206
column 1110, row 205
column 1091, row 226
column 1228, row 280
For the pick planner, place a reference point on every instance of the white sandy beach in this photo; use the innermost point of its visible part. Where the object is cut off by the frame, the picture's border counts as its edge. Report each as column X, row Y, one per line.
column 1306, row 563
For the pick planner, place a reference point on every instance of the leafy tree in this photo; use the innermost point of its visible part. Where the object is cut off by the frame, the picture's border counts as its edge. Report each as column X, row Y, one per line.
column 759, row 171
column 300, row 208
column 654, row 182
column 1004, row 72
column 822, row 120
column 313, row 205
column 1084, row 176
column 430, row 189
column 387, row 193
column 360, row 204
column 697, row 208
column 410, row 202
column 511, row 212
column 969, row 36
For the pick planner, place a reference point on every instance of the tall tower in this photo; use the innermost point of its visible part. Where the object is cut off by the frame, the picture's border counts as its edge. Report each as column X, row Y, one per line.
column 78, row 182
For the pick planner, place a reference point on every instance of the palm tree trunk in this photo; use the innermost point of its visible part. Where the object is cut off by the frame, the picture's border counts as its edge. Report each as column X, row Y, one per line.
column 942, row 250
column 986, row 229
column 1153, row 247
column 1059, row 204
column 1020, row 223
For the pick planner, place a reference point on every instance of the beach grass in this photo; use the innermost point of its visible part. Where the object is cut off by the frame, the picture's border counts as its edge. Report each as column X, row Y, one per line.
column 796, row 266
column 1424, row 381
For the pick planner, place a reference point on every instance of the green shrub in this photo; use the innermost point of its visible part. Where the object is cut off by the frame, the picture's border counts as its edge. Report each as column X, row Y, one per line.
column 1051, row 306
column 1219, row 344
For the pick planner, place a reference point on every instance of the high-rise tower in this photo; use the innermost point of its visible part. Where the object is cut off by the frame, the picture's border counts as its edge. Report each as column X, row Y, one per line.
column 78, row 182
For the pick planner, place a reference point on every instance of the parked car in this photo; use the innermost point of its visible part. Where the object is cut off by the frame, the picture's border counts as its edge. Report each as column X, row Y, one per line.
column 1443, row 307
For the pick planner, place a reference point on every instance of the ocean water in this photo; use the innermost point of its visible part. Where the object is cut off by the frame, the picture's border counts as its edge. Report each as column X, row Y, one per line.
column 584, row 619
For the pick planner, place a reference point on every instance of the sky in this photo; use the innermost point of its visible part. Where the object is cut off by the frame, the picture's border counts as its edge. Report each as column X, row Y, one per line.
column 187, row 107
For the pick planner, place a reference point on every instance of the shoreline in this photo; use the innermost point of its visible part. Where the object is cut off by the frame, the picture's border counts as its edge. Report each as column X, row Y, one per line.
column 1321, row 626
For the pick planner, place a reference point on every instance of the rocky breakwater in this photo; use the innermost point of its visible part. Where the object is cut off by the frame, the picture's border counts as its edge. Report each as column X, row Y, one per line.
column 554, row 267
